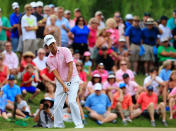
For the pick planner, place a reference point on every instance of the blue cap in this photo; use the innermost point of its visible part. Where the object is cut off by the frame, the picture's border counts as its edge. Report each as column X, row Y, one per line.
column 150, row 88
column 11, row 77
column 122, row 85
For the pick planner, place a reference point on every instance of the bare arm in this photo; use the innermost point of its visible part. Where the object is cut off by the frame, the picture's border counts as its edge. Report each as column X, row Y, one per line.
column 88, row 109
column 70, row 71
column 46, row 30
column 70, row 35
column 59, row 34
column 33, row 28
column 128, row 42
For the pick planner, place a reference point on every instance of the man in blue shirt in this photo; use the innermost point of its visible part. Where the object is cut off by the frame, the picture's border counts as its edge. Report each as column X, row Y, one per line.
column 99, row 106
column 14, row 21
column 11, row 91
column 133, row 36
column 171, row 21
column 149, row 40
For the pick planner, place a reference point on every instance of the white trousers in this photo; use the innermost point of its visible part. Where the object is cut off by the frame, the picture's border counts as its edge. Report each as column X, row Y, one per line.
column 72, row 95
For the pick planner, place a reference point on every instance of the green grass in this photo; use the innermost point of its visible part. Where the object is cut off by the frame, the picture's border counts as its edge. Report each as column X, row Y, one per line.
column 139, row 122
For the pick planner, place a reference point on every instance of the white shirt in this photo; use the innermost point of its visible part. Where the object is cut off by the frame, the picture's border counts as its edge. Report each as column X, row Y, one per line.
column 28, row 21
column 23, row 104
column 166, row 32
column 41, row 64
column 101, row 26
column 154, row 84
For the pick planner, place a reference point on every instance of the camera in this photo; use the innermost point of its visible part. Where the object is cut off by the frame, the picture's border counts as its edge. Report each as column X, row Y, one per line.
column 45, row 106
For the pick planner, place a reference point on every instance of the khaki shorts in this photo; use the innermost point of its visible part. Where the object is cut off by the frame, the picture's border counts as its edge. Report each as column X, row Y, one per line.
column 29, row 45
column 2, row 46
column 39, row 43
column 148, row 55
column 134, row 52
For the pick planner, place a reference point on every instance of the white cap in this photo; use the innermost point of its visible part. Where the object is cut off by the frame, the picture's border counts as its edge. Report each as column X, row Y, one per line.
column 129, row 17
column 33, row 4
column 98, row 13
column 39, row 4
column 98, row 87
column 163, row 39
column 111, row 76
column 48, row 40
column 96, row 75
column 122, row 39
column 67, row 12
column 15, row 5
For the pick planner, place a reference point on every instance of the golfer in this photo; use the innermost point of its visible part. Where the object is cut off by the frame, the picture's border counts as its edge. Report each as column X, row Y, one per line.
column 60, row 62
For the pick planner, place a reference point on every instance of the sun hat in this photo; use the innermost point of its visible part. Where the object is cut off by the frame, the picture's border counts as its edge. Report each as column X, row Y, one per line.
column 33, row 4
column 87, row 53
column 98, row 13
column 28, row 53
column 15, row 5
column 39, row 4
column 98, row 87
column 111, row 76
column 100, row 64
column 122, row 85
column 129, row 17
column 97, row 76
column 49, row 39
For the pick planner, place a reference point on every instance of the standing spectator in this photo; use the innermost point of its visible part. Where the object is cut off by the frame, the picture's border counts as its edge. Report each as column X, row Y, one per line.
column 171, row 21
column 29, row 27
column 133, row 36
column 41, row 25
column 165, row 70
column 67, row 15
column 150, row 108
column 81, row 33
column 52, row 7
column 10, row 58
column 46, row 11
column 77, row 13
column 34, row 6
column 4, row 26
column 142, row 23
column 149, row 40
column 4, row 71
column 129, row 20
column 40, row 60
column 99, row 106
column 14, row 21
column 98, row 15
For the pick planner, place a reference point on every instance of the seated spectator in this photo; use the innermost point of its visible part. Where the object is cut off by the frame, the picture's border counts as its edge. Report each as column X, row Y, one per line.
column 122, row 102
column 49, row 91
column 172, row 104
column 165, row 52
column 4, row 71
column 150, row 108
column 87, row 63
column 123, row 69
column 44, row 117
column 132, row 88
column 29, row 78
column 10, row 58
column 3, row 103
column 110, row 86
column 99, row 106
column 101, row 71
column 76, row 55
column 40, row 60
column 22, row 106
column 172, row 82
column 11, row 91
column 165, row 70
column 159, row 86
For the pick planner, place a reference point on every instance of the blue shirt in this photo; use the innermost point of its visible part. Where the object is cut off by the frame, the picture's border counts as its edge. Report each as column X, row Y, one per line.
column 171, row 23
column 134, row 33
column 127, row 25
column 80, row 34
column 165, row 75
column 3, row 102
column 11, row 92
column 98, row 103
column 59, row 23
column 149, row 36
column 14, row 19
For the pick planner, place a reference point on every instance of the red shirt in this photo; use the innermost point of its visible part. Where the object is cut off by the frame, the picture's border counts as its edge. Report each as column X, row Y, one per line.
column 24, row 64
column 3, row 74
column 27, row 77
column 144, row 100
column 92, row 37
column 46, row 72
column 82, row 76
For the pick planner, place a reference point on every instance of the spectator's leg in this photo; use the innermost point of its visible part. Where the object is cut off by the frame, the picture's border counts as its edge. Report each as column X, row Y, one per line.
column 96, row 116
column 146, row 67
column 110, row 117
column 162, row 110
column 119, row 108
column 135, row 65
column 35, row 94
column 171, row 104
column 4, row 115
column 24, row 93
column 164, row 93
column 110, row 95
column 151, row 110
column 136, row 113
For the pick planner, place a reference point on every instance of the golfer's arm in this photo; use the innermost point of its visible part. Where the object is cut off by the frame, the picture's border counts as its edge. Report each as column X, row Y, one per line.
column 56, row 73
column 70, row 71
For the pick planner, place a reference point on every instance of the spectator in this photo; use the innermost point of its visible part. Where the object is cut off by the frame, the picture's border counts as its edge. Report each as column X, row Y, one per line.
column 34, row 6
column 49, row 91
column 110, row 86
column 41, row 24
column 148, row 101
column 53, row 30
column 4, row 26
column 172, row 82
column 158, row 85
column 123, row 69
column 165, row 71
column 4, row 71
column 172, row 105
column 142, row 23
column 14, row 21
column 10, row 58
column 129, row 20
column 11, row 90
column 99, row 106
column 67, row 15
column 81, row 73
column 44, row 117
column 87, row 63
column 81, row 33
column 165, row 52
column 40, row 60
column 98, row 15
column 29, row 78
column 46, row 11
column 149, row 40
column 29, row 27
column 52, row 7
column 77, row 13
column 171, row 21
column 133, row 36
column 101, row 71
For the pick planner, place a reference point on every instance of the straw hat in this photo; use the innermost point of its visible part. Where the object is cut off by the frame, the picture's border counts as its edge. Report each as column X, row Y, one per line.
column 28, row 53
column 150, row 21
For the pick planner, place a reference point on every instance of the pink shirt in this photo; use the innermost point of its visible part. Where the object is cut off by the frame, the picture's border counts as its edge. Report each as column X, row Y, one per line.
column 173, row 92
column 92, row 37
column 120, row 73
column 103, row 75
column 106, row 85
column 82, row 76
column 60, row 61
column 114, row 35
column 11, row 60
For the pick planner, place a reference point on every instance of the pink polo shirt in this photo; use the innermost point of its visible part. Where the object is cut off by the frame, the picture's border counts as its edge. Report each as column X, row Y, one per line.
column 173, row 92
column 92, row 37
column 120, row 73
column 106, row 85
column 103, row 75
column 60, row 61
